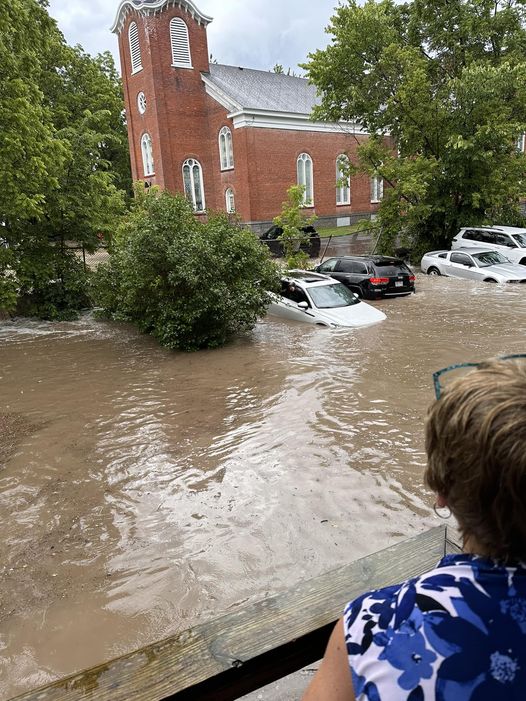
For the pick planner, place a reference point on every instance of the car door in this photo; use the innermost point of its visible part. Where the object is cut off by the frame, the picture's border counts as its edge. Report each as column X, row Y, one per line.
column 351, row 272
column 462, row 265
column 507, row 246
column 292, row 295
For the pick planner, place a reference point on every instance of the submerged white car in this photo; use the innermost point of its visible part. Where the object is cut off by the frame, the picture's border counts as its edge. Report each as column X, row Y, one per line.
column 319, row 299
column 474, row 264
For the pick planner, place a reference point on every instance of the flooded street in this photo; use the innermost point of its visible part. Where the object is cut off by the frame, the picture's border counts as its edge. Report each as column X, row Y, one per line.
column 150, row 490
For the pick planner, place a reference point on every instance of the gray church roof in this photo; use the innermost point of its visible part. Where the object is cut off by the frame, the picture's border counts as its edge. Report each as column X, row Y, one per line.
column 263, row 90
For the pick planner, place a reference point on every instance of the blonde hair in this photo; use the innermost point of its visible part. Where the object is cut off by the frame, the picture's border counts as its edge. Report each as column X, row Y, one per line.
column 476, row 449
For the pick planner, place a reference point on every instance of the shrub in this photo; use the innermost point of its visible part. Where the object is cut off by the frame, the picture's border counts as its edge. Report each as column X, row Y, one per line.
column 191, row 284
column 291, row 220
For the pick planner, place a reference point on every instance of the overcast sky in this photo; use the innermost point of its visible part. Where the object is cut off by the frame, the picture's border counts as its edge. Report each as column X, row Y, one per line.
column 249, row 33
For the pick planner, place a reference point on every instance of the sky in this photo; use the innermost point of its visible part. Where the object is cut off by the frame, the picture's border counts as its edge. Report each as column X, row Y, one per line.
column 249, row 33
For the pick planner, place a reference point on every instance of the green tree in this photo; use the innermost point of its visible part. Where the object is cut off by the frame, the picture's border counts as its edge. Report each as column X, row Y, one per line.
column 441, row 88
column 190, row 284
column 29, row 152
column 64, row 160
column 292, row 220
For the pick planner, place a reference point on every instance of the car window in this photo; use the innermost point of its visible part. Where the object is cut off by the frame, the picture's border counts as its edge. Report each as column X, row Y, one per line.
column 504, row 240
column 351, row 266
column 489, row 258
column 291, row 291
column 472, row 235
column 520, row 239
column 328, row 266
column 442, row 255
column 331, row 296
column 479, row 235
column 397, row 267
column 461, row 258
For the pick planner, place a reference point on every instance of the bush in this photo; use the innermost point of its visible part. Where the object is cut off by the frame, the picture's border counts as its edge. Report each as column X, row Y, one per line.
column 52, row 286
column 191, row 284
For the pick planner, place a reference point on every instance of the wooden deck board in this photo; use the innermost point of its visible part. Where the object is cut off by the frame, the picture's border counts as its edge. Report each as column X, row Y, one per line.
column 242, row 651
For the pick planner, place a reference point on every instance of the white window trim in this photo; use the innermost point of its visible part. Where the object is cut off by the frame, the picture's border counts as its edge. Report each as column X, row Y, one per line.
column 308, row 198
column 147, row 144
column 191, row 162
column 178, row 21
column 339, row 201
column 135, row 48
column 229, row 193
column 377, row 189
column 224, row 133
column 141, row 99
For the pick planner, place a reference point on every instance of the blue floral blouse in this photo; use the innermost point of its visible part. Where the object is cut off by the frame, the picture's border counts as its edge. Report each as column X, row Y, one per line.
column 456, row 633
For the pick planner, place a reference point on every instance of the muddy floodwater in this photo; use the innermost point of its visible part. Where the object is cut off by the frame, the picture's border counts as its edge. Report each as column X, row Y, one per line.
column 143, row 491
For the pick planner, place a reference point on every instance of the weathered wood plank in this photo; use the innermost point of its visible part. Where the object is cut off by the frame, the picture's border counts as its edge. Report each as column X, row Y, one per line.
column 244, row 650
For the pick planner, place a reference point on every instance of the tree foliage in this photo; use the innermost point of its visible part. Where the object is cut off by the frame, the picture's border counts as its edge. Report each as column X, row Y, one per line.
column 445, row 81
column 63, row 159
column 191, row 284
column 292, row 220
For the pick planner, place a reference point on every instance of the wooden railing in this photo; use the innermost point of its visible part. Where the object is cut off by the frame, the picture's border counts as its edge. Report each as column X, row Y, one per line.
column 227, row 658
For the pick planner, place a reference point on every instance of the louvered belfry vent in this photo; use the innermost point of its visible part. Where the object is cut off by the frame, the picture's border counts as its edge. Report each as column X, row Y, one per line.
column 180, row 43
column 135, row 48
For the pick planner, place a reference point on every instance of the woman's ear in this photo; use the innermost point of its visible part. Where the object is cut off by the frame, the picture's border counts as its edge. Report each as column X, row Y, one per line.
column 441, row 501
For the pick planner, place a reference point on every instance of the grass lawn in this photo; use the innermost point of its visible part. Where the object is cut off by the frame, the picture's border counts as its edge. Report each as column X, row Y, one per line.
column 345, row 230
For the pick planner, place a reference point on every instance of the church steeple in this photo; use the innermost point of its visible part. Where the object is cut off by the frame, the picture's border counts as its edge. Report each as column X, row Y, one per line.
column 148, row 7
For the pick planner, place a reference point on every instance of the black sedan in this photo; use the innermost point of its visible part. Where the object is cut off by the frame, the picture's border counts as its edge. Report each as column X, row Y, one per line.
column 371, row 277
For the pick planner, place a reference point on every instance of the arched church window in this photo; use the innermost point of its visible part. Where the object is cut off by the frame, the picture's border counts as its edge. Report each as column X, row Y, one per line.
column 135, row 48
column 343, row 180
column 304, row 172
column 147, row 155
column 180, row 44
column 230, row 201
column 193, row 184
column 377, row 188
column 226, row 150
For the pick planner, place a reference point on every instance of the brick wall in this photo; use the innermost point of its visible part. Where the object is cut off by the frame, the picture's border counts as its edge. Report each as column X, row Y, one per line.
column 184, row 122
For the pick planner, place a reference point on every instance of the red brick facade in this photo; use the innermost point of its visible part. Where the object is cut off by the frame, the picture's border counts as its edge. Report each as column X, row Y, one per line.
column 184, row 121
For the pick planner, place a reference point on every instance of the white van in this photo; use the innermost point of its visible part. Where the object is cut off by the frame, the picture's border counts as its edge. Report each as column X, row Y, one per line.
column 508, row 240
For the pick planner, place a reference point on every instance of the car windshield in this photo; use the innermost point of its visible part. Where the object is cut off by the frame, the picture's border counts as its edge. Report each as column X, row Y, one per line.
column 330, row 296
column 489, row 258
column 521, row 239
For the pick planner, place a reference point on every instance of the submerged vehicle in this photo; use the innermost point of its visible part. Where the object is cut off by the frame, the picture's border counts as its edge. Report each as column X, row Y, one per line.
column 319, row 299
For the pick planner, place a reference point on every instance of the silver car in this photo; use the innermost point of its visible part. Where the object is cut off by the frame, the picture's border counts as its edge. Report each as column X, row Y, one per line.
column 474, row 264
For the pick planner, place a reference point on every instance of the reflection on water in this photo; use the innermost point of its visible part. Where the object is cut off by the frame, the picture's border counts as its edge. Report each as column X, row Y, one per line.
column 160, row 489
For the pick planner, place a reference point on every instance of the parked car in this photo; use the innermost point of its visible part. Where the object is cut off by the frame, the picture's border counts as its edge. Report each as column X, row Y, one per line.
column 474, row 264
column 312, row 246
column 371, row 277
column 318, row 299
column 508, row 240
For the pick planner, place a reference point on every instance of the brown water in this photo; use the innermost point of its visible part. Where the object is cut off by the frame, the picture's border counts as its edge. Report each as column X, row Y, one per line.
column 159, row 489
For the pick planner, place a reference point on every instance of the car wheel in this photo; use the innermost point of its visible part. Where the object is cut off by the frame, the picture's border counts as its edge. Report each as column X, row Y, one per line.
column 490, row 279
column 433, row 271
column 522, row 262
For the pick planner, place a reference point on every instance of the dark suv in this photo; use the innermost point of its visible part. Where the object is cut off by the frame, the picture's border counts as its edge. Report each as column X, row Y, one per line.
column 371, row 277
column 312, row 246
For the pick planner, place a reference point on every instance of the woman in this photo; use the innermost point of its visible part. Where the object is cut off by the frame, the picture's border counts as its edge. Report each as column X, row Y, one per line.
column 457, row 633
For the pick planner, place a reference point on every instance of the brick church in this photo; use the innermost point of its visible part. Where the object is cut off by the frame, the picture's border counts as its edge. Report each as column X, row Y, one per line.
column 230, row 138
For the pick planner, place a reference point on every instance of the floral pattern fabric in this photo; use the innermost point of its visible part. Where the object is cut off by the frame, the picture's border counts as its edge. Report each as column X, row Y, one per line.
column 457, row 633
